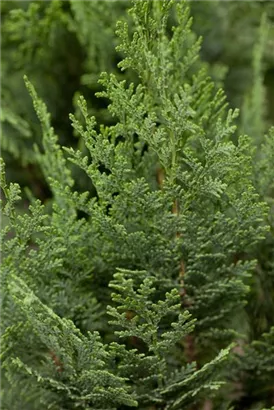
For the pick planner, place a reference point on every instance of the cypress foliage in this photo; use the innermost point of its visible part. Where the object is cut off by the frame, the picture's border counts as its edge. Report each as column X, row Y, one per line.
column 135, row 296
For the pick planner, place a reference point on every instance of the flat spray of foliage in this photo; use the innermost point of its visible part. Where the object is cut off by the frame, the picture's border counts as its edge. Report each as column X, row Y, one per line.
column 135, row 296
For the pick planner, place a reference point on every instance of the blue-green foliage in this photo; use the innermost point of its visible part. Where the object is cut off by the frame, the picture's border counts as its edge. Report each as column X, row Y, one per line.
column 85, row 377
column 158, row 261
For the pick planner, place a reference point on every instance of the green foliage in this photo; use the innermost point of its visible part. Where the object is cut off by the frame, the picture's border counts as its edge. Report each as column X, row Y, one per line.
column 264, row 182
column 136, row 292
column 254, row 109
column 87, row 383
column 257, row 366
column 231, row 36
column 140, row 318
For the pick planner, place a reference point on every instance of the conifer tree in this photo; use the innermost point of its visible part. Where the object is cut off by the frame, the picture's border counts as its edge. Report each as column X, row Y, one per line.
column 134, row 297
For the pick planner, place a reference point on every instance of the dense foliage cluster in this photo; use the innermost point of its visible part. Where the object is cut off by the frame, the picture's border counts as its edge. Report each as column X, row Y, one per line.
column 140, row 273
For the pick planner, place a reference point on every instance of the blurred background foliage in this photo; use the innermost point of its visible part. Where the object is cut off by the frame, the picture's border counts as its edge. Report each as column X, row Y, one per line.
column 63, row 46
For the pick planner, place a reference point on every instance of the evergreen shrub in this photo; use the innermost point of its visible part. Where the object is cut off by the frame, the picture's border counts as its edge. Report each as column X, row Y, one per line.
column 141, row 291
